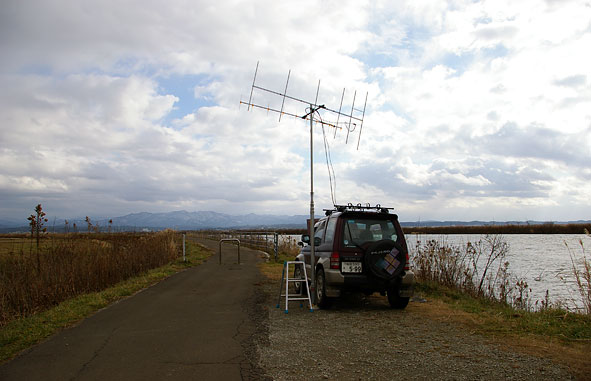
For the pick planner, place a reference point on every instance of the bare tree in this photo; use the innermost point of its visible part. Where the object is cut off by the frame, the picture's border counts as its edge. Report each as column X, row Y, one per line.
column 88, row 223
column 36, row 221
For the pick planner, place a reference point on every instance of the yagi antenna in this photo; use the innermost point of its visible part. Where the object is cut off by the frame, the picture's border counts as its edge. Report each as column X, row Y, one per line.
column 352, row 118
column 314, row 108
column 284, row 92
column 338, row 116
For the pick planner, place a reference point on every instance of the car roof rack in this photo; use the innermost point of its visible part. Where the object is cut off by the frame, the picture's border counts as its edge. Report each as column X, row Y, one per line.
column 350, row 208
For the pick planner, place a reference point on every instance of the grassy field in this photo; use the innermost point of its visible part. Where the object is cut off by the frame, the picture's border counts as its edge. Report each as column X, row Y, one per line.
column 19, row 243
column 21, row 331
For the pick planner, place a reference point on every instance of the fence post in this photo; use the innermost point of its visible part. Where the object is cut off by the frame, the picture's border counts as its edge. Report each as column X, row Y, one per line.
column 276, row 243
column 184, row 258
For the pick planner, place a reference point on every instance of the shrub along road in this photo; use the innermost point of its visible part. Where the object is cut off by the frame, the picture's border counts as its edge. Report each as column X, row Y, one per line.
column 197, row 324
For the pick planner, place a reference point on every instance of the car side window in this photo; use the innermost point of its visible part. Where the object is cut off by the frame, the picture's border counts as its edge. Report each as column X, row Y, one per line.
column 319, row 229
column 330, row 229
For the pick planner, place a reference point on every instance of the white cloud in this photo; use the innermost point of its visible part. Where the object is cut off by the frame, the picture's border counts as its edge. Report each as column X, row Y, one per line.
column 471, row 105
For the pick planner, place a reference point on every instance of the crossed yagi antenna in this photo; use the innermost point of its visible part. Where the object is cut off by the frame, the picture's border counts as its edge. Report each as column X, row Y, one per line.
column 350, row 122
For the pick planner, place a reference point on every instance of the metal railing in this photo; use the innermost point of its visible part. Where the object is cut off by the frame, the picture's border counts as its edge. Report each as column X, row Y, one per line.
column 264, row 241
column 229, row 240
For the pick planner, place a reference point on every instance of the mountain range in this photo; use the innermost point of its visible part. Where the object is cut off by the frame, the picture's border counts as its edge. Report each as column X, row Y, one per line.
column 207, row 219
column 183, row 220
column 179, row 220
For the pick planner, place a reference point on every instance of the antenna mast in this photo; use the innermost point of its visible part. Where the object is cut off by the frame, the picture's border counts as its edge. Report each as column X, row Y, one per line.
column 314, row 107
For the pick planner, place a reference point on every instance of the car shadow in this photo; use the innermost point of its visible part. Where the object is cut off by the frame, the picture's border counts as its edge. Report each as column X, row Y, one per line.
column 356, row 301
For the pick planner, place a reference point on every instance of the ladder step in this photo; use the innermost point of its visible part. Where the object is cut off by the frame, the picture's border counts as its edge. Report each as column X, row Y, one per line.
column 302, row 296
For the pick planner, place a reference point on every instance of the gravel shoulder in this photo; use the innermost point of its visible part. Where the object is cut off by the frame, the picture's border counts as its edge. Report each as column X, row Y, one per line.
column 362, row 338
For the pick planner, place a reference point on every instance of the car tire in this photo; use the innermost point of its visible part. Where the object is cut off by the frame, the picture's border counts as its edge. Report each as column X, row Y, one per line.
column 396, row 301
column 375, row 263
column 322, row 300
column 298, row 273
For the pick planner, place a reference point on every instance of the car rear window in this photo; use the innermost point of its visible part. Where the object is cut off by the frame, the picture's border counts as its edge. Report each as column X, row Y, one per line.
column 358, row 231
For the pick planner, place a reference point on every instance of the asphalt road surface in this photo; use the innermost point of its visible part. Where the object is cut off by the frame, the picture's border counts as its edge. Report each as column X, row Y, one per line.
column 197, row 324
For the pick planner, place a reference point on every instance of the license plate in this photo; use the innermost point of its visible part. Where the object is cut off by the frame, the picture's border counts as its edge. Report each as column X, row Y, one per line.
column 351, row 267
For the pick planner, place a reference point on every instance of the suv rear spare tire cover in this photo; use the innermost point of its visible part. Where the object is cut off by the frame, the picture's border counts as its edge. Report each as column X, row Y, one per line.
column 385, row 259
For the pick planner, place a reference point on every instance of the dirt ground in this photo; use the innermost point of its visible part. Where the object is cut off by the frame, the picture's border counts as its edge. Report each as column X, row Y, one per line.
column 362, row 338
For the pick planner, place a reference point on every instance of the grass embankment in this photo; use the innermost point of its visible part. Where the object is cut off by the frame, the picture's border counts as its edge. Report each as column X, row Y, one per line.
column 548, row 228
column 523, row 228
column 562, row 336
column 22, row 332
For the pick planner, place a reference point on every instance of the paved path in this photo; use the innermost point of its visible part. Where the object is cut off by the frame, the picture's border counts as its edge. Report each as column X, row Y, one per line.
column 194, row 325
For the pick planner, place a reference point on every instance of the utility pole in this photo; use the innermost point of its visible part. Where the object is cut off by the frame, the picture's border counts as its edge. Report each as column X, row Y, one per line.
column 314, row 107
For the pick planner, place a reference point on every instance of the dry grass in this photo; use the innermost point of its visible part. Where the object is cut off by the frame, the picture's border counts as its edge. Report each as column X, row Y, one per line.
column 65, row 266
column 289, row 249
column 477, row 268
column 16, row 243
column 24, row 332
column 581, row 269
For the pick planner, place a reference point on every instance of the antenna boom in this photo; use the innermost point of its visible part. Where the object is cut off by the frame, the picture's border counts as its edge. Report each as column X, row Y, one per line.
column 351, row 121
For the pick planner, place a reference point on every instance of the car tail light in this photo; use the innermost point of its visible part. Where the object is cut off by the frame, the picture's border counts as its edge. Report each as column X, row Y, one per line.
column 335, row 261
column 407, row 265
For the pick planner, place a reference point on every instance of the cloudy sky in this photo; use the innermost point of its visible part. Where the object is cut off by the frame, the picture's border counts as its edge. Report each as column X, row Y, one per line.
column 476, row 109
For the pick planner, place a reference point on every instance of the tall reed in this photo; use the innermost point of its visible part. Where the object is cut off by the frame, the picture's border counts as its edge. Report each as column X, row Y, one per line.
column 581, row 269
column 476, row 268
column 75, row 264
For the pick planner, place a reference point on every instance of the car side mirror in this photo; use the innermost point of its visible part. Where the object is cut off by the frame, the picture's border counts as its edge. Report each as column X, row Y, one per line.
column 306, row 239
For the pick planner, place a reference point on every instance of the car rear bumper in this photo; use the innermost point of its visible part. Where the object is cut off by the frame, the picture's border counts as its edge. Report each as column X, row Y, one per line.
column 336, row 282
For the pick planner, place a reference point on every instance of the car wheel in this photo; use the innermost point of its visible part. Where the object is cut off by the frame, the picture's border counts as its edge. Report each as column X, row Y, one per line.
column 321, row 299
column 297, row 274
column 397, row 301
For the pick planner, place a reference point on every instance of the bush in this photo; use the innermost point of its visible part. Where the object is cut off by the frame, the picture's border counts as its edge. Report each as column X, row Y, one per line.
column 581, row 269
column 71, row 265
column 476, row 268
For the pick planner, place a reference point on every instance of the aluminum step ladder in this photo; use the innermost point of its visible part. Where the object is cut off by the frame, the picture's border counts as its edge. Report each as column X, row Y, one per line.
column 303, row 279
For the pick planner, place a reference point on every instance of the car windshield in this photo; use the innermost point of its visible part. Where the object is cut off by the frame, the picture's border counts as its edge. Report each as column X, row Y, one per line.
column 358, row 231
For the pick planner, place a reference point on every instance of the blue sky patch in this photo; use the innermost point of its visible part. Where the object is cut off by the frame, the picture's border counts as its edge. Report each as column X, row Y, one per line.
column 496, row 51
column 183, row 87
column 460, row 63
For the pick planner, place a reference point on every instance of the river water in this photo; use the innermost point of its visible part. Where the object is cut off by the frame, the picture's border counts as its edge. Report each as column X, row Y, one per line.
column 542, row 260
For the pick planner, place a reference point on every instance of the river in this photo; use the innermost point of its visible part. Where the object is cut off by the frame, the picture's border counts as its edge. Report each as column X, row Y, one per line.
column 542, row 260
